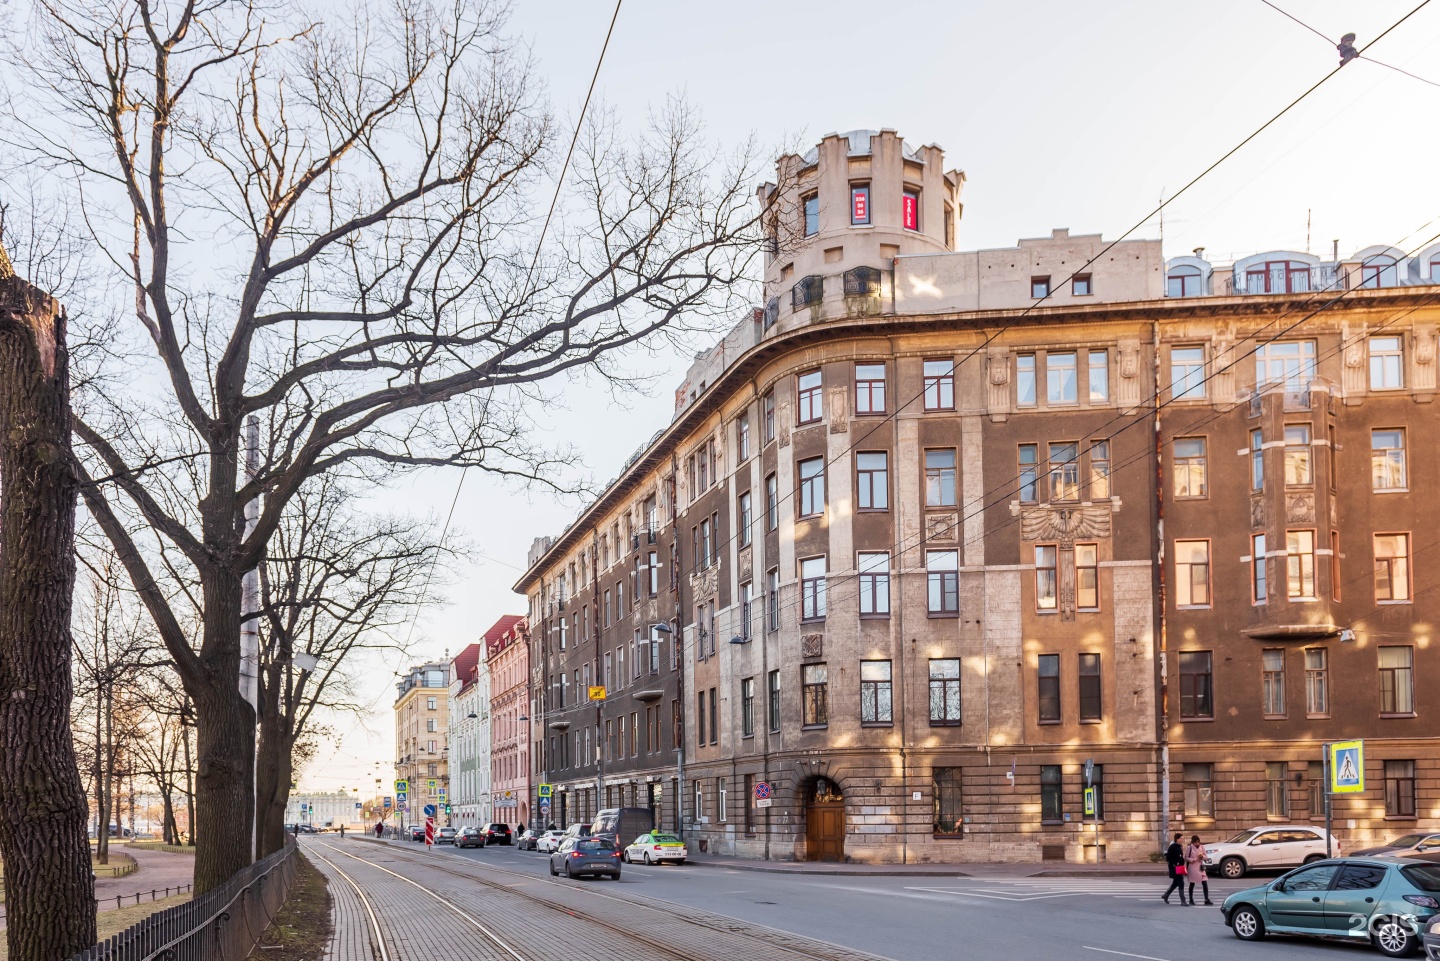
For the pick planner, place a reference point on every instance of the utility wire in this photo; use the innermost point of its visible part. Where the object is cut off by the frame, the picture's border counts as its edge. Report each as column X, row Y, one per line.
column 1388, row 66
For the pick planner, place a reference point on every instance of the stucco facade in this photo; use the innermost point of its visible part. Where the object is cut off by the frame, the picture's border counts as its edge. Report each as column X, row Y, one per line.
column 421, row 725
column 469, row 738
column 506, row 653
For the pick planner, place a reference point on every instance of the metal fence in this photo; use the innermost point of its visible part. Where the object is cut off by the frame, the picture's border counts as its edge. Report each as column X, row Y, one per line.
column 223, row 924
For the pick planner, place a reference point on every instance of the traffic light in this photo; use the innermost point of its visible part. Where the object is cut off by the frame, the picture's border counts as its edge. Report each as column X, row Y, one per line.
column 447, row 810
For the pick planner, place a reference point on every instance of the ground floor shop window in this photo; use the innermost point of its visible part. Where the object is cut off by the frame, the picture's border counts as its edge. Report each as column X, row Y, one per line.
column 949, row 821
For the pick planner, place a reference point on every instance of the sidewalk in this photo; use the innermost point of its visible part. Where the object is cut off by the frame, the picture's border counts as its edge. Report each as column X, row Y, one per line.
column 157, row 870
column 1042, row 869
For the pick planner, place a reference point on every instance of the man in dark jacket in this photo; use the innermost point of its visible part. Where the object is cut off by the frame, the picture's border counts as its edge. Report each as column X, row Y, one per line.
column 1175, row 863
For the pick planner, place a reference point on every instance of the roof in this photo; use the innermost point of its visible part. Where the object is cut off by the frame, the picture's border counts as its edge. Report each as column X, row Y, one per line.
column 462, row 666
column 501, row 627
column 859, row 145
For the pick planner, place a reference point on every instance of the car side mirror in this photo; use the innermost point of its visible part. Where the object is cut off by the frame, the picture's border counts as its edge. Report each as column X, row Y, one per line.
column 1279, row 886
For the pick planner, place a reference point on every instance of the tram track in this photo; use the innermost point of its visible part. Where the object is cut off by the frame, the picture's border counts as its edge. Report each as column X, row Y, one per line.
column 746, row 939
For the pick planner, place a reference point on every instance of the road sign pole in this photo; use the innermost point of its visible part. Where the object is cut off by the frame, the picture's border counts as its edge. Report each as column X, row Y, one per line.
column 1325, row 770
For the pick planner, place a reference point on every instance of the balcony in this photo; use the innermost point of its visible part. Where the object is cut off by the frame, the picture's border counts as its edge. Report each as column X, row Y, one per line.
column 1294, row 280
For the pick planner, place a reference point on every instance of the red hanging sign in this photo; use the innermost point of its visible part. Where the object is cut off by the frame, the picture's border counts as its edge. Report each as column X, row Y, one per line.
column 860, row 200
column 910, row 211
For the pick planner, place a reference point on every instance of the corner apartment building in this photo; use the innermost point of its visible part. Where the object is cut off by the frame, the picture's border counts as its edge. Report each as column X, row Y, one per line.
column 421, row 724
column 507, row 646
column 469, row 738
column 936, row 528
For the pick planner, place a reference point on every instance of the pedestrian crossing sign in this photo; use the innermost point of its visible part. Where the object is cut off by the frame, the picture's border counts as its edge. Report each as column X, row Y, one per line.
column 1347, row 767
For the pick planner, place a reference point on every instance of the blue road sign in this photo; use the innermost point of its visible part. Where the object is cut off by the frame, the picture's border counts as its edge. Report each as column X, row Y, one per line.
column 401, row 796
column 387, row 801
column 429, row 810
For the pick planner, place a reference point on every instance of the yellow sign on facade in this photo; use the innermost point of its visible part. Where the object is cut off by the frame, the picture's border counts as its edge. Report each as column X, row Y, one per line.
column 597, row 693
column 1347, row 767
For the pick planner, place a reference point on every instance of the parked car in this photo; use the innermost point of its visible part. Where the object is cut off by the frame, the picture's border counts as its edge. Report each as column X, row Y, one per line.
column 548, row 841
column 621, row 826
column 417, row 832
column 577, row 830
column 577, row 856
column 525, row 840
column 1387, row 901
column 656, row 848
column 445, row 835
column 469, row 837
column 497, row 833
column 1418, row 843
column 1431, row 937
column 1283, row 846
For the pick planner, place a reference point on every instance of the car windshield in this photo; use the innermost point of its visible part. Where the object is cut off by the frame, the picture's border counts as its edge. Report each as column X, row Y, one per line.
column 1407, row 841
column 1242, row 837
column 664, row 838
column 1426, row 877
column 594, row 844
column 498, row 827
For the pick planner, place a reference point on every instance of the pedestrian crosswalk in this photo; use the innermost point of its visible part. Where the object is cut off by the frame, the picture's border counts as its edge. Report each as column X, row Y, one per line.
column 1041, row 889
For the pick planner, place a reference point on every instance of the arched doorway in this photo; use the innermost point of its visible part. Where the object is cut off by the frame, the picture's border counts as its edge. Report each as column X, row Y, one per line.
column 824, row 821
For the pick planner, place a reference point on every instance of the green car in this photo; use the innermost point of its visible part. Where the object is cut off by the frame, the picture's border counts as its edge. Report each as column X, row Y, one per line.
column 1383, row 900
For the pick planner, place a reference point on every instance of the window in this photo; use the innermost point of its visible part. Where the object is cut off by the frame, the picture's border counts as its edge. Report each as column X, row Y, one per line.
column 1187, row 373
column 1080, row 285
column 869, row 388
column 1277, row 790
column 772, row 599
column 747, row 707
column 1184, row 282
column 1099, row 469
column 812, row 215
column 773, row 694
column 1060, row 378
column 746, row 519
column 1378, row 272
column 1297, row 455
column 1027, row 473
column 430, row 724
column 772, row 503
column 872, row 481
column 1392, row 567
column 1099, row 376
column 1045, row 579
column 1087, row 577
column 1258, row 582
column 1315, row 787
column 1091, row 707
column 939, row 385
column 814, row 686
column 1039, row 287
column 1272, row 682
column 1300, row 564
column 812, row 589
column 652, row 567
column 1387, row 460
column 1025, row 380
column 859, row 203
column 705, row 549
column 746, row 805
column 874, row 571
column 1052, row 806
column 1191, row 475
column 769, row 409
column 943, row 578
column 1196, row 685
column 1400, row 789
column 1257, row 461
column 1277, row 277
column 1192, row 573
column 875, row 692
column 1317, row 682
column 747, row 609
column 742, row 436
column 714, row 704
column 1199, row 791
column 721, row 811
column 1049, row 689
column 699, row 720
column 1291, row 363
column 940, row 478
column 810, row 398
column 1064, row 471
column 430, row 703
column 1397, row 691
column 812, row 487
column 1387, row 364
column 910, row 209
column 949, row 819
column 944, row 692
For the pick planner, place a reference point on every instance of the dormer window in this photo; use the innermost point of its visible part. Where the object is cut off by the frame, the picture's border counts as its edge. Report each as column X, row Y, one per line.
column 1185, row 282
column 1378, row 272
column 1278, row 277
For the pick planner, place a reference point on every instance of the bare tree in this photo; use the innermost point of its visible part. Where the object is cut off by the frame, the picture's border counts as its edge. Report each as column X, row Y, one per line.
column 337, row 583
column 49, row 888
column 335, row 229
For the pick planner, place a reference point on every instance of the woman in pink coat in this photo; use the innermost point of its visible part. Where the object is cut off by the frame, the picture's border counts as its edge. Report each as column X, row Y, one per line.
column 1195, row 868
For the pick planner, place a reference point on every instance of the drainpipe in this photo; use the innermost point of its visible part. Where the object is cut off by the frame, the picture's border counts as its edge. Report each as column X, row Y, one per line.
column 1161, row 632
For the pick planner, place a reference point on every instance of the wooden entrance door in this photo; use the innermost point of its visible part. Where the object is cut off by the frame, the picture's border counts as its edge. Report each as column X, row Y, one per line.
column 825, row 831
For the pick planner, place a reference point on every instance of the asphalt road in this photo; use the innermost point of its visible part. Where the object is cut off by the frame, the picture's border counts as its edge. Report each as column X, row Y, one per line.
column 930, row 918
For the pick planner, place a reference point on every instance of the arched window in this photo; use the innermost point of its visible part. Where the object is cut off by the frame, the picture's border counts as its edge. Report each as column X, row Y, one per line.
column 1435, row 269
column 1277, row 277
column 1379, row 272
column 1184, row 282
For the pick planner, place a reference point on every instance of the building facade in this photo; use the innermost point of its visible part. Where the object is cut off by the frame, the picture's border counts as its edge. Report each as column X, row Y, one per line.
column 938, row 539
column 327, row 809
column 421, row 725
column 469, row 738
column 507, row 653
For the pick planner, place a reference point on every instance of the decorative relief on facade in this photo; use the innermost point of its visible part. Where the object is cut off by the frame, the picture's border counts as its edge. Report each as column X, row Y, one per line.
column 1222, row 378
column 783, row 417
column 839, row 410
column 998, row 383
column 1352, row 377
column 1127, row 391
column 942, row 527
column 706, row 582
column 1257, row 512
column 1300, row 508
column 812, row 645
column 747, row 564
column 1064, row 525
column 1424, row 358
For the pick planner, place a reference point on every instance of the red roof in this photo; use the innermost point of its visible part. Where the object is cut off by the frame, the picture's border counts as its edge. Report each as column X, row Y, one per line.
column 463, row 665
column 503, row 633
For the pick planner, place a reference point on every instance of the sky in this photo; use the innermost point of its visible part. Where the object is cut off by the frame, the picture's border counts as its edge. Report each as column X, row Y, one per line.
column 1070, row 114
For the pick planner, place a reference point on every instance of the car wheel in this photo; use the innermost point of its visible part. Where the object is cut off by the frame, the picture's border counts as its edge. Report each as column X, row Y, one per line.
column 1232, row 868
column 553, row 872
column 647, row 857
column 568, row 874
column 1246, row 924
column 1313, row 858
column 1393, row 937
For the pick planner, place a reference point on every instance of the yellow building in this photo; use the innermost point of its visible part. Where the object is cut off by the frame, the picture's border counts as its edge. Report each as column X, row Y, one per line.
column 421, row 755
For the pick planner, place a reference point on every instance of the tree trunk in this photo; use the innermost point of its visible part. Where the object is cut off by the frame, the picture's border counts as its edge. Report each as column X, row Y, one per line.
column 275, row 768
column 49, row 887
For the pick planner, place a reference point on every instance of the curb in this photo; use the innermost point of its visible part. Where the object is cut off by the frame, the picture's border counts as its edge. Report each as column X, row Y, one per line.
column 936, row 871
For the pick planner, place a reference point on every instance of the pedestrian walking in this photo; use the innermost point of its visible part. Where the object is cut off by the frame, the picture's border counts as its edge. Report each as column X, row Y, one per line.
column 1175, row 864
column 379, row 830
column 1195, row 869
column 342, row 832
